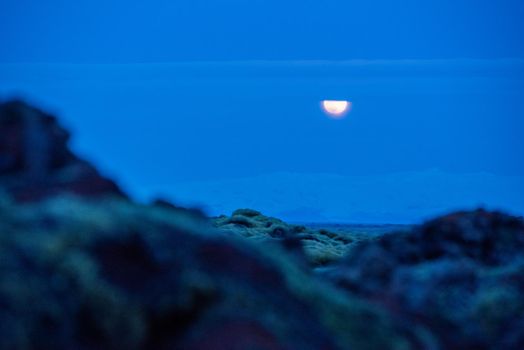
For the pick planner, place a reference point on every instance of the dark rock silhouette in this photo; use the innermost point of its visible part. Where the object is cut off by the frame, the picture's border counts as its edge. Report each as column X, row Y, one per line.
column 98, row 271
column 461, row 275
column 36, row 162
column 113, row 274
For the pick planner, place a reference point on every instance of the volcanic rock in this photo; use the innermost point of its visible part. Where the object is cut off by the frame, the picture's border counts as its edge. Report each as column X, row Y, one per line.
column 461, row 275
column 318, row 246
column 97, row 271
column 36, row 161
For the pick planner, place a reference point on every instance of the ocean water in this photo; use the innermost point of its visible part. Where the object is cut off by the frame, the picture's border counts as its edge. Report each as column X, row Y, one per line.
column 423, row 136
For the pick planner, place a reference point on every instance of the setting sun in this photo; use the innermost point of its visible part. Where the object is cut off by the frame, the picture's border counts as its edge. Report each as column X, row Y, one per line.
column 336, row 108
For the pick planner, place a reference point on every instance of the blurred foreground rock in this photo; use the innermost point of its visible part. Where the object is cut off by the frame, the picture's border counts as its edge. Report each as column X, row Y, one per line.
column 115, row 275
column 35, row 159
column 462, row 276
column 84, row 267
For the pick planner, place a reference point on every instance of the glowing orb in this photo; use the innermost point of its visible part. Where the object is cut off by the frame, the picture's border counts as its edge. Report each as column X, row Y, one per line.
column 336, row 108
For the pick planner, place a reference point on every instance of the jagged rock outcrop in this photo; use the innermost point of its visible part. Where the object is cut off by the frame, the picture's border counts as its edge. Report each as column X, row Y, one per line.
column 83, row 267
column 107, row 273
column 461, row 275
column 35, row 159
column 111, row 274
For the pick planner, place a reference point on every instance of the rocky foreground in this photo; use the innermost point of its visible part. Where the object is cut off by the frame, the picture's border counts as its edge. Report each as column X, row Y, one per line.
column 84, row 267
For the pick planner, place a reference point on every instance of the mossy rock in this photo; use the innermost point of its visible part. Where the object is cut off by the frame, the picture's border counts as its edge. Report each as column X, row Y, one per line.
column 320, row 247
column 110, row 274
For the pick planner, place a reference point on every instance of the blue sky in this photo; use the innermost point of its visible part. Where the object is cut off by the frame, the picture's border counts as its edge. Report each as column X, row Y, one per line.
column 167, row 30
column 163, row 93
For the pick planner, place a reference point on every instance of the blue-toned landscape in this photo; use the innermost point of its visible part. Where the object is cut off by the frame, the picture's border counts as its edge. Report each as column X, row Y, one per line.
column 263, row 175
column 423, row 137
